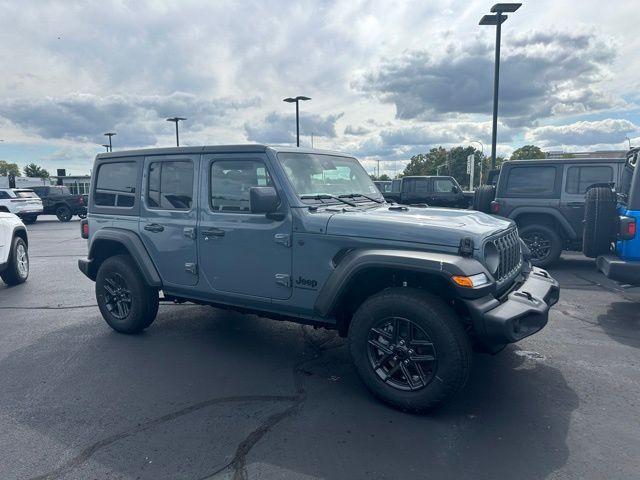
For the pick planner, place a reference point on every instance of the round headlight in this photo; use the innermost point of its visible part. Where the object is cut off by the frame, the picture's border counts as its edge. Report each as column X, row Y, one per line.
column 491, row 257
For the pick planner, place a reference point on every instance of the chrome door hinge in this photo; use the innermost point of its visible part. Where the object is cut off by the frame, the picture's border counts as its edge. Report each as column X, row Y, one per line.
column 283, row 279
column 283, row 239
column 191, row 268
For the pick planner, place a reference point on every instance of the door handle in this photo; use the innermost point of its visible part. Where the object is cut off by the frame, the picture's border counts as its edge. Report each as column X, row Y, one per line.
column 154, row 227
column 212, row 232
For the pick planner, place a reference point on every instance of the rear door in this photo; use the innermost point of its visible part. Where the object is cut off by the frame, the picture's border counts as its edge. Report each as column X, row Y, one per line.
column 446, row 192
column 168, row 214
column 577, row 178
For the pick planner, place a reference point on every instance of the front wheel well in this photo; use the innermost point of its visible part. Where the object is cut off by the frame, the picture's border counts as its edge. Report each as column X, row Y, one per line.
column 23, row 235
column 371, row 281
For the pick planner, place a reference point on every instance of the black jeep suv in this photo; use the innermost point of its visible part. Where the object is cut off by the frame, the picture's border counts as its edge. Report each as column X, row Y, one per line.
column 546, row 198
column 59, row 201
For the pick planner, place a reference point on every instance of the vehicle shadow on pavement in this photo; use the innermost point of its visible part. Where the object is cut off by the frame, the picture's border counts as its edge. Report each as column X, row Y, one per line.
column 206, row 391
column 622, row 323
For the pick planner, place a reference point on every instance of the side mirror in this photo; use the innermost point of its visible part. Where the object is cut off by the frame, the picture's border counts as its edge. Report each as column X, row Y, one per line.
column 455, row 189
column 263, row 200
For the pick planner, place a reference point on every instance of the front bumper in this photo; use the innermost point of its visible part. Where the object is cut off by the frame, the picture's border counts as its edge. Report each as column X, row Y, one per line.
column 523, row 312
column 623, row 271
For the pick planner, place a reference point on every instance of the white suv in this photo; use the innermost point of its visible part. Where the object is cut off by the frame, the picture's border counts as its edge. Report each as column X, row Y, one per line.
column 14, row 256
column 22, row 202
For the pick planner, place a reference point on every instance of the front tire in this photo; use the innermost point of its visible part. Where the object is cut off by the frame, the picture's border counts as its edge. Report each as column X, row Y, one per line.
column 63, row 213
column 543, row 242
column 17, row 270
column 126, row 302
column 409, row 349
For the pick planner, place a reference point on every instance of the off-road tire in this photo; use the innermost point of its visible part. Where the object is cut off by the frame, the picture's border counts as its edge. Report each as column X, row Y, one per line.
column 14, row 274
column 482, row 198
column 452, row 348
column 600, row 221
column 555, row 243
column 143, row 298
column 63, row 212
column 29, row 219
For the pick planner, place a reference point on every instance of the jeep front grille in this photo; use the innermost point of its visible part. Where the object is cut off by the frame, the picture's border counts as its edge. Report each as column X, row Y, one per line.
column 510, row 254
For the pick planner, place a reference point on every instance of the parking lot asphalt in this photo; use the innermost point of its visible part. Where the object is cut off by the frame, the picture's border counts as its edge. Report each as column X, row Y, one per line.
column 206, row 393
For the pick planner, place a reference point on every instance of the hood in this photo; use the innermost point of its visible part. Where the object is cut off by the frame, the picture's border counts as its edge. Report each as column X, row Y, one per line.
column 435, row 226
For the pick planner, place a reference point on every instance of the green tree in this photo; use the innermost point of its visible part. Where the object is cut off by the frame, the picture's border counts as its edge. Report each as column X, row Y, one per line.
column 36, row 171
column 426, row 163
column 7, row 168
column 451, row 162
column 526, row 152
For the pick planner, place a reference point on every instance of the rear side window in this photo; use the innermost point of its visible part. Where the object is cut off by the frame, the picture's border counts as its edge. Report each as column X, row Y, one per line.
column 4, row 195
column 416, row 185
column 231, row 181
column 581, row 178
column 115, row 185
column 531, row 181
column 25, row 194
column 170, row 185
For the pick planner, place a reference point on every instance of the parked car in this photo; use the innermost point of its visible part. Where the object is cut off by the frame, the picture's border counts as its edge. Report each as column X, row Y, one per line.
column 383, row 185
column 435, row 191
column 22, row 202
column 546, row 199
column 610, row 225
column 14, row 253
column 59, row 201
column 304, row 235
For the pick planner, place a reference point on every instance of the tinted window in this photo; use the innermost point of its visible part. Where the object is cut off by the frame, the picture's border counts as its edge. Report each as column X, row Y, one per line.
column 580, row 178
column 443, row 185
column 25, row 194
column 170, row 185
column 535, row 181
column 115, row 185
column 40, row 191
column 4, row 195
column 395, row 185
column 231, row 181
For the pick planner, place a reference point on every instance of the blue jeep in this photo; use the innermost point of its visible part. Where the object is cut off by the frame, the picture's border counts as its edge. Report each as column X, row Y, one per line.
column 611, row 219
column 304, row 235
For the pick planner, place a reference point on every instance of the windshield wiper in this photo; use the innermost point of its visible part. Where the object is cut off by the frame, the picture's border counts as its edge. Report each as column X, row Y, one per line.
column 356, row 195
column 326, row 196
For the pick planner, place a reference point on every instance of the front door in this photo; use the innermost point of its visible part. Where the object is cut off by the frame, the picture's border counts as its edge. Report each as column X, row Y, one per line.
column 240, row 252
column 168, row 216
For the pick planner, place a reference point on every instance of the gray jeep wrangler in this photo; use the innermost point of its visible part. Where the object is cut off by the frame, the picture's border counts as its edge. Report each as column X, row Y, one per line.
column 304, row 235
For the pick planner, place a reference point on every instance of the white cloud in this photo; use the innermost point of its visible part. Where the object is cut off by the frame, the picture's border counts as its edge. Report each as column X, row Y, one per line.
column 608, row 132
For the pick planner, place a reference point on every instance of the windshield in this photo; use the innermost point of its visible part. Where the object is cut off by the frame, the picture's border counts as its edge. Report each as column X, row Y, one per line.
column 327, row 175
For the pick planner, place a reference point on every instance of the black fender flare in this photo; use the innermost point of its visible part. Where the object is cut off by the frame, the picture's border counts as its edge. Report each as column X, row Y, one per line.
column 133, row 244
column 566, row 226
column 441, row 264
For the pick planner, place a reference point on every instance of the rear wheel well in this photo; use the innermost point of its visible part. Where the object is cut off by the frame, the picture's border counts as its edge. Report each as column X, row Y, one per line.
column 103, row 249
column 371, row 281
column 525, row 219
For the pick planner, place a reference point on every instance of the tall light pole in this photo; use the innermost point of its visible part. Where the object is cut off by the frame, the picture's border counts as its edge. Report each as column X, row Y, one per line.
column 297, row 101
column 176, row 120
column 110, row 134
column 481, row 158
column 106, row 145
column 497, row 19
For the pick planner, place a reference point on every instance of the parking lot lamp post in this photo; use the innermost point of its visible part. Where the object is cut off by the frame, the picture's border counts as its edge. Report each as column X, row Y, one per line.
column 106, row 145
column 497, row 19
column 297, row 100
column 110, row 134
column 176, row 120
column 481, row 158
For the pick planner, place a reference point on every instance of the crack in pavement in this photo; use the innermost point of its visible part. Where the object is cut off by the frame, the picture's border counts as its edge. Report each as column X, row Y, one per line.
column 70, row 307
column 237, row 464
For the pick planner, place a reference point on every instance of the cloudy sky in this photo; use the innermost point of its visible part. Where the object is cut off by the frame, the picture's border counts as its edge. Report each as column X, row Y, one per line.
column 387, row 78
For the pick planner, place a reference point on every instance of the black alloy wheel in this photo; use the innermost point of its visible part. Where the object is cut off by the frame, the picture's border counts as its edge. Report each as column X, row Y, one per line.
column 117, row 296
column 402, row 354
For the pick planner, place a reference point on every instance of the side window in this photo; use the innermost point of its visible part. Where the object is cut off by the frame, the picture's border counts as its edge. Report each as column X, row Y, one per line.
column 170, row 185
column 409, row 185
column 4, row 195
column 115, row 185
column 443, row 185
column 531, row 181
column 581, row 178
column 422, row 185
column 395, row 186
column 231, row 181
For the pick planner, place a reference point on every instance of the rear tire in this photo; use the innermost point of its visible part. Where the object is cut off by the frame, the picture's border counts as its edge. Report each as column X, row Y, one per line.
column 396, row 367
column 17, row 270
column 600, row 221
column 544, row 243
column 483, row 197
column 63, row 213
column 126, row 302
